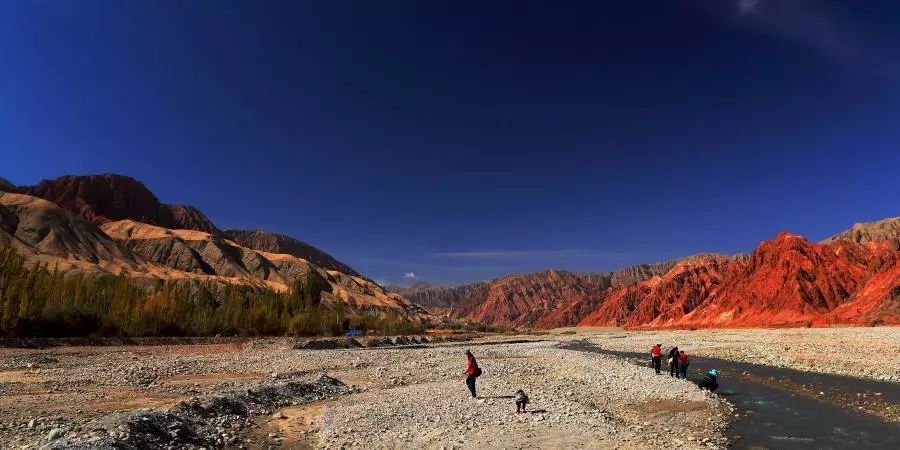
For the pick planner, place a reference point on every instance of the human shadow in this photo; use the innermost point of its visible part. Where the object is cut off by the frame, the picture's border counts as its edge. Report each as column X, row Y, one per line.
column 537, row 411
column 500, row 396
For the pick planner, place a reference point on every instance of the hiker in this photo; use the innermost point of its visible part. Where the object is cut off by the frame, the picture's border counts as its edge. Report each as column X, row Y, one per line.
column 472, row 372
column 683, row 363
column 673, row 362
column 521, row 401
column 710, row 381
column 656, row 357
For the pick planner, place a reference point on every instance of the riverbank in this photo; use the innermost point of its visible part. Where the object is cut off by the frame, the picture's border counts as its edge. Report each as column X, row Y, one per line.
column 394, row 397
column 413, row 396
column 862, row 352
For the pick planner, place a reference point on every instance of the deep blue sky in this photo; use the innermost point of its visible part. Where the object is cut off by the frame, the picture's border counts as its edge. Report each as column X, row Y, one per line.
column 462, row 140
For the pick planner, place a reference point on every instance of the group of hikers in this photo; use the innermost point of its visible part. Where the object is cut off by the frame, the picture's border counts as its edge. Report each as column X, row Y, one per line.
column 678, row 361
column 678, row 366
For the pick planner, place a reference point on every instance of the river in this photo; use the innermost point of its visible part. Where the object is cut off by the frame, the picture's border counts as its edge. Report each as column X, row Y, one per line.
column 791, row 409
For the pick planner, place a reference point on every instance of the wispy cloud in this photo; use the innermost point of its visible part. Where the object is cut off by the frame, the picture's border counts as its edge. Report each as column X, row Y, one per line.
column 410, row 276
column 535, row 254
column 809, row 24
column 748, row 6
column 484, row 173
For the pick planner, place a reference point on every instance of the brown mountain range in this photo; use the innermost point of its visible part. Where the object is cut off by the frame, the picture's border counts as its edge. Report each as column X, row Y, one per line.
column 109, row 197
column 112, row 223
column 881, row 230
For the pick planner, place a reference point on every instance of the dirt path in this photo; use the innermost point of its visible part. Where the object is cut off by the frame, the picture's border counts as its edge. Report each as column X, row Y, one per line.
column 295, row 427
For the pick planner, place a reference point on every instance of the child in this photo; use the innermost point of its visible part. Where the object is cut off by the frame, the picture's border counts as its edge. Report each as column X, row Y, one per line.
column 521, row 401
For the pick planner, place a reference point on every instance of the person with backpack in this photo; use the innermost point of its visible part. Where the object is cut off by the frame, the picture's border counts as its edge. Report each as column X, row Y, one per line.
column 673, row 363
column 710, row 381
column 656, row 357
column 683, row 363
column 472, row 372
column 521, row 401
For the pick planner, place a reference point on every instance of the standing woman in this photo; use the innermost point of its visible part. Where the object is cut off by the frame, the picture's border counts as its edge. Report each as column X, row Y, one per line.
column 656, row 357
column 472, row 372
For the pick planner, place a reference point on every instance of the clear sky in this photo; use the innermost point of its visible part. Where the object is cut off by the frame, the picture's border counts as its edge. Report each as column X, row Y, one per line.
column 464, row 140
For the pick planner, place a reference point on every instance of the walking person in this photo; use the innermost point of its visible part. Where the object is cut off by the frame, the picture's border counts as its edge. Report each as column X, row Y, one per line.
column 683, row 363
column 673, row 362
column 656, row 357
column 472, row 372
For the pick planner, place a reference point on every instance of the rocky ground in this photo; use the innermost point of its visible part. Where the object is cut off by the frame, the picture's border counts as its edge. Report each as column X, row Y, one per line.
column 265, row 393
column 867, row 352
column 578, row 400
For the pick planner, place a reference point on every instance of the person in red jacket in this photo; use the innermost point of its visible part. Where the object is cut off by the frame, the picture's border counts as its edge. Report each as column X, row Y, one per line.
column 656, row 357
column 683, row 363
column 472, row 372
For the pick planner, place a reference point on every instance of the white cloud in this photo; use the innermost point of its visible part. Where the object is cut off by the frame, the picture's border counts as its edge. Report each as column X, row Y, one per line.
column 410, row 276
column 748, row 6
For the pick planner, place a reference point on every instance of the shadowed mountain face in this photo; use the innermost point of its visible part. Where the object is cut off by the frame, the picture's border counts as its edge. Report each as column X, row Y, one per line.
column 40, row 230
column 109, row 197
column 113, row 223
column 279, row 243
column 6, row 186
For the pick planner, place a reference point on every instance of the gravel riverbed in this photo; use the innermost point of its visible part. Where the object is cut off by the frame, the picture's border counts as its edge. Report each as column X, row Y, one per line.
column 394, row 397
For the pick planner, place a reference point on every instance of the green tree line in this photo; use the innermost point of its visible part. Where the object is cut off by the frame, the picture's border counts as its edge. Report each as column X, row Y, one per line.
column 42, row 301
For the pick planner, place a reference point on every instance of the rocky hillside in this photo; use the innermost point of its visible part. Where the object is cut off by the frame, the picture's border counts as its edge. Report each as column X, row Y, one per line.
column 114, row 224
column 45, row 233
column 522, row 300
column 881, row 230
column 786, row 281
column 278, row 243
column 110, row 197
column 666, row 298
column 548, row 299
column 455, row 301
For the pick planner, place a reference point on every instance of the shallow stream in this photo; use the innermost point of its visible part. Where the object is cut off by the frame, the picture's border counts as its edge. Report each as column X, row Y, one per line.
column 791, row 409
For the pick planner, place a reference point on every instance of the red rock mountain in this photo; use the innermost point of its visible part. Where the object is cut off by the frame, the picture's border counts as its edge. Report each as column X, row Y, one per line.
column 520, row 300
column 548, row 299
column 877, row 300
column 786, row 281
column 664, row 300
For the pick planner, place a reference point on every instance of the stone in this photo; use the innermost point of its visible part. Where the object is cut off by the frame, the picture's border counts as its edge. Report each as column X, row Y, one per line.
column 55, row 434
